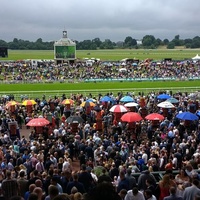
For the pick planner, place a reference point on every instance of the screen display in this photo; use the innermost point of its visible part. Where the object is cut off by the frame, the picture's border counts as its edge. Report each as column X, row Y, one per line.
column 65, row 52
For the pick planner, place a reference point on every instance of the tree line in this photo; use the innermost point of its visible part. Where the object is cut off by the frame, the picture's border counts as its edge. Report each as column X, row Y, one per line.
column 147, row 42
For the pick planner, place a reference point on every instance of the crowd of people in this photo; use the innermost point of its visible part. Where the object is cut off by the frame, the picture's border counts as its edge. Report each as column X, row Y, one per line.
column 116, row 159
column 110, row 152
column 79, row 71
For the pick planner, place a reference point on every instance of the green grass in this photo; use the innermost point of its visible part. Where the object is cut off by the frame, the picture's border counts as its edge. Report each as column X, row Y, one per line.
column 117, row 54
column 52, row 89
column 96, row 86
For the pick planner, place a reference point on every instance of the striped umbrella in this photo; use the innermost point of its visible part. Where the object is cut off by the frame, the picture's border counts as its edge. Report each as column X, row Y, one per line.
column 11, row 103
column 67, row 102
column 118, row 109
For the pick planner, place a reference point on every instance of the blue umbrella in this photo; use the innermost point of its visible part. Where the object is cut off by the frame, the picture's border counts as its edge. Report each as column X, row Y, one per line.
column 163, row 96
column 198, row 113
column 172, row 100
column 187, row 116
column 134, row 64
column 91, row 100
column 106, row 99
column 126, row 99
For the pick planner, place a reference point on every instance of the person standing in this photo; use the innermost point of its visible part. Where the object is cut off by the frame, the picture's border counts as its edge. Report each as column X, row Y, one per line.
column 23, row 183
column 9, row 186
column 85, row 178
column 173, row 195
column 192, row 191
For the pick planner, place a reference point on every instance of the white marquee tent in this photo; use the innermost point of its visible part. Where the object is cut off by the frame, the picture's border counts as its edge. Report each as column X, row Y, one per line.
column 197, row 57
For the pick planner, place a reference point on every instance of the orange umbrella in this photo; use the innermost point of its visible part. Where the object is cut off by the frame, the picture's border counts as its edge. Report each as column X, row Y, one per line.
column 29, row 102
column 67, row 101
column 11, row 103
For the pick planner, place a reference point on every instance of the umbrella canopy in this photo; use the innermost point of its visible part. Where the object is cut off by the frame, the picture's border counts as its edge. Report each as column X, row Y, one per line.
column 67, row 101
column 172, row 100
column 87, row 103
column 11, row 103
column 126, row 99
column 131, row 117
column 29, row 102
column 198, row 113
column 118, row 109
column 97, row 108
column 187, row 116
column 154, row 116
column 106, row 99
column 74, row 119
column 163, row 96
column 131, row 104
column 38, row 122
column 165, row 104
column 91, row 100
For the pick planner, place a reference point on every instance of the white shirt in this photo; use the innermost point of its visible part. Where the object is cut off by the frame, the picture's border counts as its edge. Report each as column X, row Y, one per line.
column 130, row 196
column 145, row 157
column 152, row 198
column 66, row 166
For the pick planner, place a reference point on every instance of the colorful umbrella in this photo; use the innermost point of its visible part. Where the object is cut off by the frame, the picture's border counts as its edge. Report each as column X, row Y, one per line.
column 131, row 117
column 163, row 96
column 126, row 99
column 187, row 116
column 74, row 119
column 11, row 103
column 67, row 101
column 87, row 103
column 165, row 104
column 38, row 122
column 154, row 116
column 118, row 109
column 131, row 104
column 29, row 102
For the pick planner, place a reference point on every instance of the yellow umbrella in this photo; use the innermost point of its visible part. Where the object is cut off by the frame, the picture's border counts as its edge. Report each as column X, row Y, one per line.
column 29, row 102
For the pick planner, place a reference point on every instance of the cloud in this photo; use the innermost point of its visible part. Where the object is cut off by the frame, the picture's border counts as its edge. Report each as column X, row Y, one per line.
column 114, row 19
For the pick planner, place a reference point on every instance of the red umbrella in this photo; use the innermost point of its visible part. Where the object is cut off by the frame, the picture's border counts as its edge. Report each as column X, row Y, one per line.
column 154, row 116
column 131, row 117
column 38, row 122
column 118, row 109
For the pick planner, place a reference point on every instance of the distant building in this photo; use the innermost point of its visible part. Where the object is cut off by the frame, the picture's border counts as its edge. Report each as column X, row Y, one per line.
column 139, row 42
column 64, row 49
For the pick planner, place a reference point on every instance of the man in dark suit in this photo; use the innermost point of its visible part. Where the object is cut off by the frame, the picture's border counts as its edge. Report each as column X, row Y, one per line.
column 173, row 195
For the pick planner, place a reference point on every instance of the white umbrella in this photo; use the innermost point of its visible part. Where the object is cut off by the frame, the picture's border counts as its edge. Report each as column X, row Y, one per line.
column 165, row 104
column 131, row 104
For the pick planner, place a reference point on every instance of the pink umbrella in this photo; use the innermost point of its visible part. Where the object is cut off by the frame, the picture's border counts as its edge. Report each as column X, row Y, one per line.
column 154, row 116
column 38, row 122
column 118, row 109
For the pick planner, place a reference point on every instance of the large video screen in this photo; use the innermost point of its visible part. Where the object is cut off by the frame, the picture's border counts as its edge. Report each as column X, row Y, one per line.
column 65, row 52
column 3, row 52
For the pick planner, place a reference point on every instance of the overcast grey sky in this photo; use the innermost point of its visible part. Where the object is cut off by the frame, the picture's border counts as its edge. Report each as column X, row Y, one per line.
column 105, row 19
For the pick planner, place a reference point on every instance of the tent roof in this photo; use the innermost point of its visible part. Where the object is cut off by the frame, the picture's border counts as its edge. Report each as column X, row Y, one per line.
column 197, row 57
